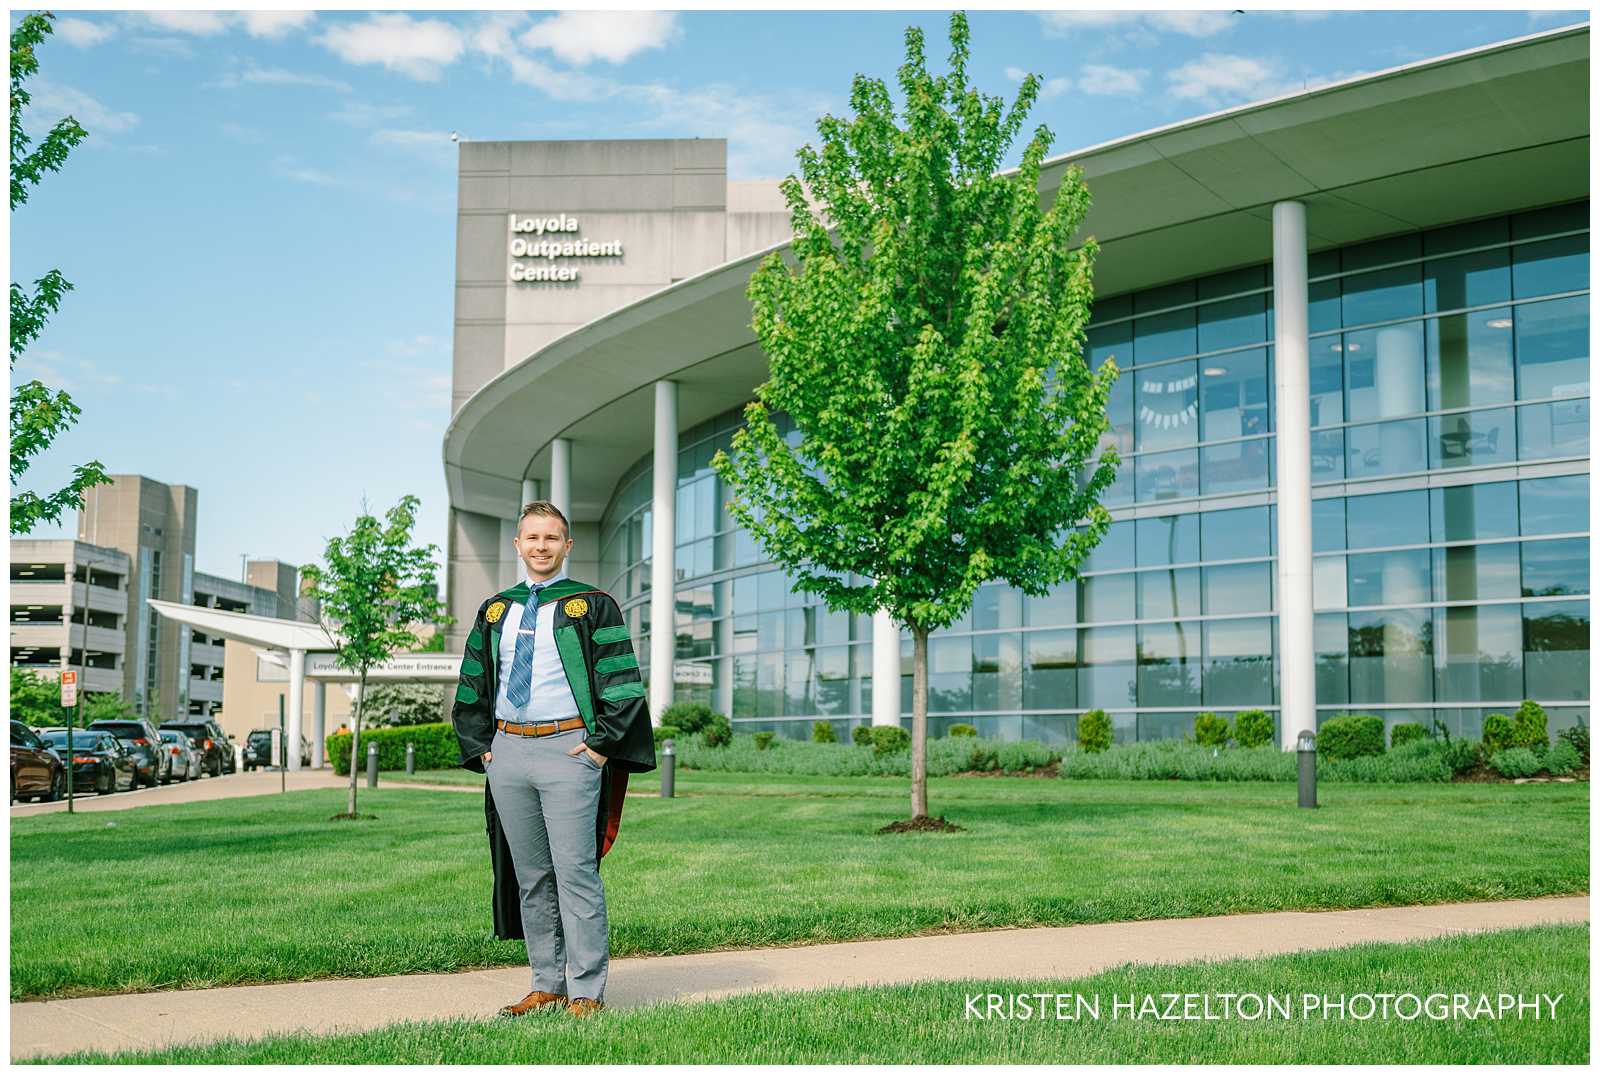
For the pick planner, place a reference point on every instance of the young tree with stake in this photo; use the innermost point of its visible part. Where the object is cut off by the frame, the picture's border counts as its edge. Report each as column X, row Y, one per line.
column 373, row 592
column 927, row 343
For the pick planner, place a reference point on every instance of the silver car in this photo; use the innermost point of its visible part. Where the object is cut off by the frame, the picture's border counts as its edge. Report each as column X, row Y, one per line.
column 185, row 762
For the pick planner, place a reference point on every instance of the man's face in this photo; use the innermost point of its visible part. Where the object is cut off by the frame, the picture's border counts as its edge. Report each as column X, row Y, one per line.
column 542, row 544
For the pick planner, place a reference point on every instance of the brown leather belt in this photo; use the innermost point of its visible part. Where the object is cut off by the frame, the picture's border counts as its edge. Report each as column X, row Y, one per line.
column 539, row 727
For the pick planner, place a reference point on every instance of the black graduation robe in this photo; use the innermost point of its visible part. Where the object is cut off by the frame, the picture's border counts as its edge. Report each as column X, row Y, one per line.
column 603, row 672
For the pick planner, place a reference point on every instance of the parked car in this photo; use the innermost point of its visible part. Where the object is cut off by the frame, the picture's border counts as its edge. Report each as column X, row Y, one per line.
column 258, row 750
column 209, row 741
column 99, row 760
column 140, row 736
column 185, row 761
column 37, row 771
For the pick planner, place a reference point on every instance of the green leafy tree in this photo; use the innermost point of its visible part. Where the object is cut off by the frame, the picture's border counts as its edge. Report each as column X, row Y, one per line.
column 373, row 590
column 927, row 343
column 35, row 699
column 38, row 414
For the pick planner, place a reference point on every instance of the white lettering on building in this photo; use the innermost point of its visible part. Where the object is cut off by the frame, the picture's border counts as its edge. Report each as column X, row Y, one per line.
column 551, row 249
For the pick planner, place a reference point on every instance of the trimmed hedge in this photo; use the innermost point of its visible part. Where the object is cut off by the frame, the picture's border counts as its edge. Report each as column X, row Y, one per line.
column 668, row 731
column 437, row 747
column 1531, row 728
column 1211, row 730
column 1174, row 759
column 1496, row 733
column 717, row 732
column 889, row 738
column 1252, row 728
column 1353, row 736
column 822, row 732
column 1094, row 731
column 1401, row 734
column 861, row 735
column 764, row 739
column 945, row 756
column 956, row 731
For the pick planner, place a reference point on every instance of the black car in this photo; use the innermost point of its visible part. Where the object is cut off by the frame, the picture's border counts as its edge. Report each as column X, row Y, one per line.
column 37, row 771
column 209, row 741
column 140, row 736
column 258, row 750
column 99, row 760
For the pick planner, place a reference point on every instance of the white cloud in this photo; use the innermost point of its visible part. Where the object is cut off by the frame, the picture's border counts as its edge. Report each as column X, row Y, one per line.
column 81, row 33
column 198, row 23
column 245, row 135
column 1188, row 23
column 290, row 168
column 581, row 37
column 1102, row 80
column 274, row 24
column 495, row 36
column 762, row 131
column 417, row 48
column 277, row 76
column 51, row 101
column 1216, row 79
column 1048, row 87
column 359, row 113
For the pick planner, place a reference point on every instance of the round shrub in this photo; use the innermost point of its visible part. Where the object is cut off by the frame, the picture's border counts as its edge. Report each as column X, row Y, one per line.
column 1530, row 728
column 1496, row 733
column 1515, row 762
column 888, row 738
column 1401, row 734
column 1354, row 736
column 861, row 735
column 822, row 732
column 1577, row 737
column 764, row 739
column 665, row 732
column 1211, row 730
column 1252, row 728
column 690, row 716
column 1094, row 731
column 1562, row 758
column 718, row 732
column 956, row 731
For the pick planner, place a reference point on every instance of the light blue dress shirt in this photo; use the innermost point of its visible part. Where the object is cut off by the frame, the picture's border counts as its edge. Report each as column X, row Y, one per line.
column 549, row 695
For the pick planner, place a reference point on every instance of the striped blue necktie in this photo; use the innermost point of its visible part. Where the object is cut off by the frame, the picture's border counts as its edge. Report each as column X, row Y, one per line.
column 521, row 680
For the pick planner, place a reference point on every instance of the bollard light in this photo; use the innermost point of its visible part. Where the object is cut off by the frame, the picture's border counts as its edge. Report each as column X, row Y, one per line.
column 1306, row 748
column 668, row 762
column 411, row 758
column 372, row 765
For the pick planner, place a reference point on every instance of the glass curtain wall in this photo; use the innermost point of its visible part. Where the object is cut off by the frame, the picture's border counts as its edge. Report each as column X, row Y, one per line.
column 1438, row 358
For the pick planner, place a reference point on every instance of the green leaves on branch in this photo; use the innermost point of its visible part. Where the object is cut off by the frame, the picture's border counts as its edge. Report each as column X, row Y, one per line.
column 926, row 338
column 38, row 415
column 375, row 588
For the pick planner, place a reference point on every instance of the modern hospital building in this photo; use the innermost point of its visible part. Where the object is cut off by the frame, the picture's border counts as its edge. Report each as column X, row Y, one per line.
column 1392, row 270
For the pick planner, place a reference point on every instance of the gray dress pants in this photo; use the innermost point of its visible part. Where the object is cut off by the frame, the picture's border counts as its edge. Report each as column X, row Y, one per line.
column 546, row 800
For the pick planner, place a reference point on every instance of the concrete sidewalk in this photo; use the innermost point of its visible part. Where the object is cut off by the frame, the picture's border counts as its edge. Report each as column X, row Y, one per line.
column 232, row 786
column 149, row 1020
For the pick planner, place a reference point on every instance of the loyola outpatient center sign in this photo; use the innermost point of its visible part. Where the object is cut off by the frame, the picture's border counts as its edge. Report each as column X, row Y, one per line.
column 550, row 238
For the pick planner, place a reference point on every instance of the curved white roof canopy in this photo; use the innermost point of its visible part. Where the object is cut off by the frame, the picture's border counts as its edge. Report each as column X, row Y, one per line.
column 265, row 631
column 1488, row 130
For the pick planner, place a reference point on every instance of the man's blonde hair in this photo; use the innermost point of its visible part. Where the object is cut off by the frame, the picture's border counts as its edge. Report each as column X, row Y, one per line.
column 544, row 507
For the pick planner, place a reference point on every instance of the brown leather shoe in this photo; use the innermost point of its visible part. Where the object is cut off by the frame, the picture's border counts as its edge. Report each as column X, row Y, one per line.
column 581, row 1006
column 534, row 1000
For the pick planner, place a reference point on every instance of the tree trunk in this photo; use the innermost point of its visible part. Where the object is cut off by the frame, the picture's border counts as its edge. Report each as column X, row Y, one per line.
column 355, row 738
column 919, row 722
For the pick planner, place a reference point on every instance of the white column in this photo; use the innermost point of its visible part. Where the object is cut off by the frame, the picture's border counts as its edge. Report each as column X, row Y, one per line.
column 297, row 705
column 561, row 473
column 885, row 669
column 530, row 492
column 1296, row 642
column 663, row 549
column 319, row 721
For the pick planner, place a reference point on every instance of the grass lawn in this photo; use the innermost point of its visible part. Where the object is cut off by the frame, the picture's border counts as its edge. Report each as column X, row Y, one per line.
column 268, row 889
column 928, row 1024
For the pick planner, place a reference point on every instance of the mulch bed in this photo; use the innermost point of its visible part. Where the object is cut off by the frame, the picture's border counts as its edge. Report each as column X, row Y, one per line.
column 922, row 824
column 1483, row 774
column 1049, row 772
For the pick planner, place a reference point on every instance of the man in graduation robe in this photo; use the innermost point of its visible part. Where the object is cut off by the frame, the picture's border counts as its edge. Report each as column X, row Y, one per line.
column 556, row 708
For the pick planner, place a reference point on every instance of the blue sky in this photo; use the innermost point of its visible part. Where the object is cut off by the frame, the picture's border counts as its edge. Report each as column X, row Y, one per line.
column 260, row 226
